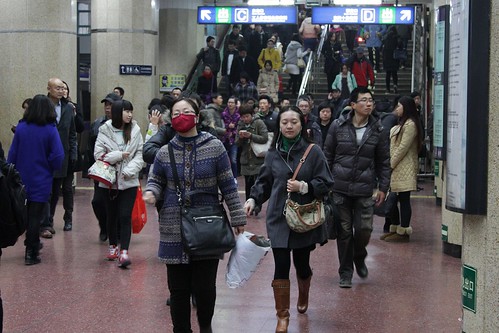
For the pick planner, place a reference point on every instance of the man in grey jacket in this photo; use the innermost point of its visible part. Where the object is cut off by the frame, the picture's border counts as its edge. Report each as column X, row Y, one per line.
column 358, row 155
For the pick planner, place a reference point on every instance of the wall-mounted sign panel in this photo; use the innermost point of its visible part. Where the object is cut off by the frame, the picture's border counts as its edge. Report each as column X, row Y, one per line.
column 363, row 15
column 135, row 70
column 247, row 15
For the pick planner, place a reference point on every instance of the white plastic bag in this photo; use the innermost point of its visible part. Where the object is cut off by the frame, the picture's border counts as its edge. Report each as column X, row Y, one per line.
column 245, row 258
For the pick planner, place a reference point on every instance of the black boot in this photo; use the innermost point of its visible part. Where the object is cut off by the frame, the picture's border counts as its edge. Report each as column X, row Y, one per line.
column 68, row 221
column 31, row 257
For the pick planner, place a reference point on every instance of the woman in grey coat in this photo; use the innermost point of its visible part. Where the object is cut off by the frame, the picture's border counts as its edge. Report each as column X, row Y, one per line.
column 273, row 183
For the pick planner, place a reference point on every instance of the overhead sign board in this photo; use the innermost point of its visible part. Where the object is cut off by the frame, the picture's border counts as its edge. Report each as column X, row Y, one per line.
column 363, row 15
column 247, row 15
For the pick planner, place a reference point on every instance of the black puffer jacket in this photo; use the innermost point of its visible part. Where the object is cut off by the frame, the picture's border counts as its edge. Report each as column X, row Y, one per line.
column 357, row 168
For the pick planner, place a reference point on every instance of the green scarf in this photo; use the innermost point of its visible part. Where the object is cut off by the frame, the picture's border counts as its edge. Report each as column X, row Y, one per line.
column 288, row 143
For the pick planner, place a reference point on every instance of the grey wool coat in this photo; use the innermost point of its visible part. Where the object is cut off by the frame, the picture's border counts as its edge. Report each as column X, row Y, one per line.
column 271, row 185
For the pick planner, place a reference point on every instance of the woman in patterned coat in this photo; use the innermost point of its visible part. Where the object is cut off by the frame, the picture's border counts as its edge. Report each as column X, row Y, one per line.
column 203, row 167
column 405, row 143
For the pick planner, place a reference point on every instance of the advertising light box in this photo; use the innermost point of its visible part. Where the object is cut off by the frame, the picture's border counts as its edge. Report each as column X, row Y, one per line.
column 247, row 15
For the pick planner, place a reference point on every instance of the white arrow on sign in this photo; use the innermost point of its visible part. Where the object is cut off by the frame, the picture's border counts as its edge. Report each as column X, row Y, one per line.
column 406, row 15
column 205, row 14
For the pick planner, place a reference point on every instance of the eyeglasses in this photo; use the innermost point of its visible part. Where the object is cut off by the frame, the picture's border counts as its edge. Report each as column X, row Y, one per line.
column 365, row 100
column 177, row 113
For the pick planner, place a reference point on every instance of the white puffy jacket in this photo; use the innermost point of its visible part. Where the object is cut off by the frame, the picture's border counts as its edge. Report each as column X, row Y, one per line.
column 107, row 148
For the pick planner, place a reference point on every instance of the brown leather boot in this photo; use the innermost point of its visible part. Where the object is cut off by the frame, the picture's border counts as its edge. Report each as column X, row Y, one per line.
column 281, row 297
column 303, row 289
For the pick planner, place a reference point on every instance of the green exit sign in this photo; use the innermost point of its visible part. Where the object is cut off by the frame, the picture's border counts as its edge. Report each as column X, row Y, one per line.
column 469, row 288
column 223, row 15
column 387, row 15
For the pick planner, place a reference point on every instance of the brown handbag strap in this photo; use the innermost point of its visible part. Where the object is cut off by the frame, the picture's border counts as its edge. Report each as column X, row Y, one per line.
column 302, row 160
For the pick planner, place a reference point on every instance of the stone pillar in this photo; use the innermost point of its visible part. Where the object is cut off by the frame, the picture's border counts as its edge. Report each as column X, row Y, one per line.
column 123, row 32
column 481, row 233
column 180, row 37
column 38, row 41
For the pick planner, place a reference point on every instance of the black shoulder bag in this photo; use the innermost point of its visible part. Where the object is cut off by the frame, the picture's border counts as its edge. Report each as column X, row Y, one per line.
column 205, row 230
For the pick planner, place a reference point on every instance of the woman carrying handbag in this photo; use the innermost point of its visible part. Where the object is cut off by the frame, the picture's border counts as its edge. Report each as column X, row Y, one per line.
column 202, row 166
column 120, row 144
column 274, row 183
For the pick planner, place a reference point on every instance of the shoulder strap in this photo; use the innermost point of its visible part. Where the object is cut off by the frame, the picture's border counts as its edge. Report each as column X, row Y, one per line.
column 302, row 160
column 175, row 174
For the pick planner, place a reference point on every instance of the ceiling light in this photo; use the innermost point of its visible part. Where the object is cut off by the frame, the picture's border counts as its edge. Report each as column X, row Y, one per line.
column 357, row 2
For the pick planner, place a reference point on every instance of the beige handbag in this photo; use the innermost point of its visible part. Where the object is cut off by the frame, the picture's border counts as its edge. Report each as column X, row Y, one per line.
column 303, row 218
column 301, row 63
column 103, row 172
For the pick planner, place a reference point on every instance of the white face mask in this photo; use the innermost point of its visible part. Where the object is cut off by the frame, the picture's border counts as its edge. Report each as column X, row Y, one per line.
column 336, row 26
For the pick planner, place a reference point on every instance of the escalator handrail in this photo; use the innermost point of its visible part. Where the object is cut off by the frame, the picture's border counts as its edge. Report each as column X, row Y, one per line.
column 308, row 68
column 189, row 79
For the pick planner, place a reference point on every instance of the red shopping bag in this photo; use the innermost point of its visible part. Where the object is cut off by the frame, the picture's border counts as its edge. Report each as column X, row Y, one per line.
column 139, row 213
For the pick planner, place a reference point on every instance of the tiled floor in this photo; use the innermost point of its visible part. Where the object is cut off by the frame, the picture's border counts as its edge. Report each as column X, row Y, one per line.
column 411, row 287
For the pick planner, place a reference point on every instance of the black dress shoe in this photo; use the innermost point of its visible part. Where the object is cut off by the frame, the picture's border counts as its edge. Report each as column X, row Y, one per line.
column 361, row 269
column 68, row 226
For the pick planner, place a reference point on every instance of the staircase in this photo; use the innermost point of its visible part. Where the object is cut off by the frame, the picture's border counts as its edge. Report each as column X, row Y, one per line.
column 317, row 84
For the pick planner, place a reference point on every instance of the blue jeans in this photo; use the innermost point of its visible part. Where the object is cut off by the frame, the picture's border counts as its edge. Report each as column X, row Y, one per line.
column 232, row 152
column 354, row 232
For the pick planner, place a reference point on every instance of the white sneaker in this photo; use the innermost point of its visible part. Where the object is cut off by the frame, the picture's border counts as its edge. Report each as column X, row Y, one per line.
column 123, row 259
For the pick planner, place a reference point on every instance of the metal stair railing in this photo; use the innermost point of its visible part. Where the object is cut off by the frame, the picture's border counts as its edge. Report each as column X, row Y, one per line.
column 307, row 82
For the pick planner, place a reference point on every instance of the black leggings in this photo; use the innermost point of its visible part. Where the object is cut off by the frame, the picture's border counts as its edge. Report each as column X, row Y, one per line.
column 199, row 279
column 404, row 217
column 294, row 83
column 37, row 213
column 119, row 206
column 301, row 260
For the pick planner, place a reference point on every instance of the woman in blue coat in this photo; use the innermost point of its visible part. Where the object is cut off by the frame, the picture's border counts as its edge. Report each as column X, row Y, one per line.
column 36, row 152
column 274, row 183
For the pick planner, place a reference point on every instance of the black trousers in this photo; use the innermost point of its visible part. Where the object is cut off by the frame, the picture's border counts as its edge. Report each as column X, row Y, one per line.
column 37, row 212
column 294, row 83
column 99, row 206
column 374, row 56
column 199, row 279
column 249, row 181
column 67, row 199
column 119, row 206
column 387, row 79
column 402, row 217
column 301, row 261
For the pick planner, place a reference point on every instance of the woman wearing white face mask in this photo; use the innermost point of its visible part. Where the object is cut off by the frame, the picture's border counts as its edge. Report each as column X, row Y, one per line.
column 203, row 169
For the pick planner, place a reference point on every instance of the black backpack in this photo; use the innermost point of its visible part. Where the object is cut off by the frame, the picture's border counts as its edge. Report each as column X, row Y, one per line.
column 13, row 210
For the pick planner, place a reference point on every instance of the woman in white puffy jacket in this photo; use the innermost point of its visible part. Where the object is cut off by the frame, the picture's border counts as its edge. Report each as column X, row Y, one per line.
column 120, row 143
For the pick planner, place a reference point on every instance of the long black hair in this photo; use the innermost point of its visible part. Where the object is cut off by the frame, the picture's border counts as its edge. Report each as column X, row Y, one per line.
column 277, row 133
column 41, row 111
column 117, row 117
column 411, row 112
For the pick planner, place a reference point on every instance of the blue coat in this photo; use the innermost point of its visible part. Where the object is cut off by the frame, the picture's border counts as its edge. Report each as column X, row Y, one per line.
column 372, row 31
column 37, row 153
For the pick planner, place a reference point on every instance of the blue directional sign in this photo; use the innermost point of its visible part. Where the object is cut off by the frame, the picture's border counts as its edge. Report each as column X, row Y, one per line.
column 363, row 15
column 247, row 15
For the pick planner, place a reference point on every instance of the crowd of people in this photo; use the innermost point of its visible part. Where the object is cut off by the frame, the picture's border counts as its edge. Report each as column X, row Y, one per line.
column 360, row 152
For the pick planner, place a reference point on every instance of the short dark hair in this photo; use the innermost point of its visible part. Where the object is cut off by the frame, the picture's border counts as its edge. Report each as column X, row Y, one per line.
column 415, row 94
column 121, row 90
column 267, row 97
column 209, row 39
column 26, row 101
column 153, row 102
column 41, row 111
column 324, row 105
column 354, row 95
column 268, row 62
column 177, row 88
column 244, row 75
column 246, row 109
column 231, row 42
column 242, row 48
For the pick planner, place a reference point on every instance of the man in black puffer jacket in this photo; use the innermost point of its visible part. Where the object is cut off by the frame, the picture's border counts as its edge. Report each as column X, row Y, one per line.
column 359, row 157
